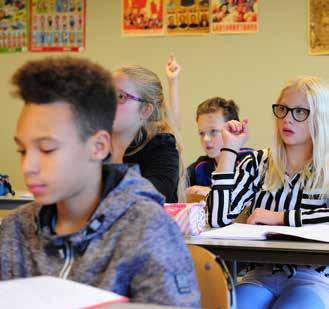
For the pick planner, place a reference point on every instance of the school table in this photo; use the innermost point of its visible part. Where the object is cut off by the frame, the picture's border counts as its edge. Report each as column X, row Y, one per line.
column 136, row 306
column 9, row 202
column 267, row 251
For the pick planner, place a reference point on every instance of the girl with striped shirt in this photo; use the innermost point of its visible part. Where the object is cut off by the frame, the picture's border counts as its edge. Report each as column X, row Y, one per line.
column 285, row 185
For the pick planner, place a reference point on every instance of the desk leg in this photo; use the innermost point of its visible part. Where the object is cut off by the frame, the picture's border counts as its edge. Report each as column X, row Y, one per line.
column 232, row 267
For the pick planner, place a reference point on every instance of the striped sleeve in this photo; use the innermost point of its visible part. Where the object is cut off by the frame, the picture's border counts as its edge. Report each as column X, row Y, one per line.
column 302, row 217
column 231, row 192
column 313, row 210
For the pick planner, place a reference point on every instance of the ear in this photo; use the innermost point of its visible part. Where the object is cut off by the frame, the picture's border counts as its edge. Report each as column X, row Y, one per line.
column 147, row 111
column 100, row 145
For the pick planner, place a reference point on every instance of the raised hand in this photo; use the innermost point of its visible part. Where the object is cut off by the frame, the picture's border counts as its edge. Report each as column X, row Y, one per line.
column 235, row 134
column 172, row 68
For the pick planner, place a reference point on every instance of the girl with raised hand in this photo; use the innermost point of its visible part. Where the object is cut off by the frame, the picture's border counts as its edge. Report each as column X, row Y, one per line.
column 141, row 131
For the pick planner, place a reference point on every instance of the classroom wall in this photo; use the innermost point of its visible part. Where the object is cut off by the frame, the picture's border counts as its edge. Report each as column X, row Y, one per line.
column 249, row 68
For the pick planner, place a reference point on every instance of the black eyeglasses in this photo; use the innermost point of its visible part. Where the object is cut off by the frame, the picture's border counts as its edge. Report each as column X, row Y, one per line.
column 124, row 96
column 300, row 114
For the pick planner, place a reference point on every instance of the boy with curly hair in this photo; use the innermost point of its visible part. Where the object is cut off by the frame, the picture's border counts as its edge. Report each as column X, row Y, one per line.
column 91, row 222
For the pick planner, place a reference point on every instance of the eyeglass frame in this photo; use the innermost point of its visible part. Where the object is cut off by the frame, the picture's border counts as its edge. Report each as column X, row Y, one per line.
column 128, row 97
column 288, row 109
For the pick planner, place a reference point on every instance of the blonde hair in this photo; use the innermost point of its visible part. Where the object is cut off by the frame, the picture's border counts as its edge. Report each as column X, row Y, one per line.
column 315, row 175
column 149, row 89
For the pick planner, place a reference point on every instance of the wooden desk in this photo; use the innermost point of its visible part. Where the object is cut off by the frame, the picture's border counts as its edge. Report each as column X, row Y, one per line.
column 267, row 251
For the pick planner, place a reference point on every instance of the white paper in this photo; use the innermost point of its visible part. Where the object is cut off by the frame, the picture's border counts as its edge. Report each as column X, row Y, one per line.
column 52, row 293
column 319, row 232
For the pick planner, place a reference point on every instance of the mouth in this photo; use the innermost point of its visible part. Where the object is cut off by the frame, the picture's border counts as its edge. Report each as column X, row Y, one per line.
column 287, row 131
column 36, row 188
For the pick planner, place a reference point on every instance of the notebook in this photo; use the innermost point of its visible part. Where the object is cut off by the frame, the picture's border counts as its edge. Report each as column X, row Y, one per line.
column 52, row 293
column 317, row 232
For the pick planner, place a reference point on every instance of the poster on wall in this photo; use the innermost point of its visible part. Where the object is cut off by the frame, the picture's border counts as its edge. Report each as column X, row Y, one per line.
column 234, row 16
column 318, row 27
column 187, row 17
column 13, row 25
column 57, row 25
column 142, row 17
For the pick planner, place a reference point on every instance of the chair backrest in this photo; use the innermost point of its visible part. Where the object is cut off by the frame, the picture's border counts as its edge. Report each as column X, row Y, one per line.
column 215, row 282
column 195, row 198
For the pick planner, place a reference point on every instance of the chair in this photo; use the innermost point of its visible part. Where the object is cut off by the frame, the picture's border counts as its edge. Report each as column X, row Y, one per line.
column 215, row 282
column 195, row 198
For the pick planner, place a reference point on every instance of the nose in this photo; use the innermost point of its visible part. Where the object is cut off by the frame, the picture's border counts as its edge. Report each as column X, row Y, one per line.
column 30, row 164
column 289, row 118
column 206, row 138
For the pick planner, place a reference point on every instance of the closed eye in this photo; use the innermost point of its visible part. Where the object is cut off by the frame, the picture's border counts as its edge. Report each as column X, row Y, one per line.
column 21, row 151
column 48, row 151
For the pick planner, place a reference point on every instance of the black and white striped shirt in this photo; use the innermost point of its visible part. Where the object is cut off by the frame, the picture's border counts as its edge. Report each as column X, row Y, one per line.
column 232, row 192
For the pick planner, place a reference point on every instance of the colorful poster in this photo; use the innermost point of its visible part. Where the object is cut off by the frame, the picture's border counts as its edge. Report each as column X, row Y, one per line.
column 142, row 17
column 187, row 16
column 13, row 25
column 318, row 27
column 57, row 25
column 234, row 16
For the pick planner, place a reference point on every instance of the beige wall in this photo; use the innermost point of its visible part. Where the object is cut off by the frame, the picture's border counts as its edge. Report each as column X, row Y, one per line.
column 247, row 68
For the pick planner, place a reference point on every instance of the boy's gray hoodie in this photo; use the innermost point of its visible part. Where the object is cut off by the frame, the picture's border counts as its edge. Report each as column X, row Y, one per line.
column 129, row 246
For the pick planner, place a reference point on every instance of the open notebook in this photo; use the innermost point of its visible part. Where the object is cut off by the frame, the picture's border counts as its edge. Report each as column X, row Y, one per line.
column 318, row 232
column 53, row 293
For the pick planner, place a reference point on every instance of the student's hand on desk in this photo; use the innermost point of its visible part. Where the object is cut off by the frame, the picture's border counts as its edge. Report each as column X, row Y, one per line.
column 235, row 134
column 172, row 68
column 200, row 190
column 264, row 216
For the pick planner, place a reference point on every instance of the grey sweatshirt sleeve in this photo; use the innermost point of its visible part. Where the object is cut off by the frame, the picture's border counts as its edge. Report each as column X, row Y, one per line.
column 166, row 274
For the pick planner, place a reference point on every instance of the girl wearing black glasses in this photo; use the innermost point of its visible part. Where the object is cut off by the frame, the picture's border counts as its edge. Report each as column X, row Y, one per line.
column 141, row 131
column 285, row 185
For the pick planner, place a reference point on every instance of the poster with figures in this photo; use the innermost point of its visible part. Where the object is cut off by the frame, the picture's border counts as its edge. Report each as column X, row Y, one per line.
column 57, row 25
column 142, row 17
column 187, row 17
column 13, row 25
column 318, row 27
column 234, row 16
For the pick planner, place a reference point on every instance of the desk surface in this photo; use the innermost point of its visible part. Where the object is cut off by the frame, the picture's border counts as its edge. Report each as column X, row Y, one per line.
column 9, row 202
column 267, row 251
column 136, row 306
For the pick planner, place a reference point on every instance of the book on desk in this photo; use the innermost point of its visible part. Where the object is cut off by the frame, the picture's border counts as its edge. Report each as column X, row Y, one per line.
column 314, row 232
column 51, row 292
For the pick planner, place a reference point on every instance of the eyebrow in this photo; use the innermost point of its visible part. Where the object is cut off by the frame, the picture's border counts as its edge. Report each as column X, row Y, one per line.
column 298, row 106
column 38, row 140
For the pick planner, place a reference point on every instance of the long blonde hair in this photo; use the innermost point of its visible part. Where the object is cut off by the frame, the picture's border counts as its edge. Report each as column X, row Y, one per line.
column 315, row 174
column 150, row 90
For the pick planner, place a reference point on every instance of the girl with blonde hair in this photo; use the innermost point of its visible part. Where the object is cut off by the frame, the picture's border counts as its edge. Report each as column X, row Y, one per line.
column 285, row 185
column 142, row 132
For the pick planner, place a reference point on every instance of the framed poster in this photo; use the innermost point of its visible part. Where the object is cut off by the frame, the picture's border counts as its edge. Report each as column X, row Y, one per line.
column 234, row 16
column 57, row 25
column 13, row 25
column 142, row 17
column 318, row 27
column 187, row 17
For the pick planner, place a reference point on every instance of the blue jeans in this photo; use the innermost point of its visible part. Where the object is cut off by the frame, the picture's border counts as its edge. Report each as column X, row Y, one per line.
column 260, row 289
